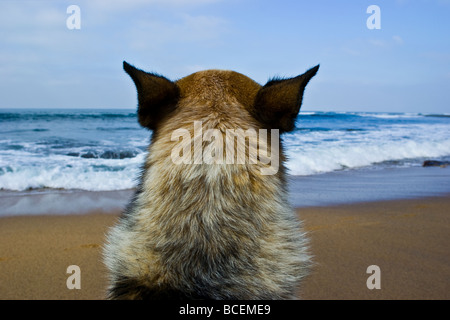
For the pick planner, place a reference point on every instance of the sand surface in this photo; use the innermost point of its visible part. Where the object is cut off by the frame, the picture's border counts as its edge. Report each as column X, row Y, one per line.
column 407, row 239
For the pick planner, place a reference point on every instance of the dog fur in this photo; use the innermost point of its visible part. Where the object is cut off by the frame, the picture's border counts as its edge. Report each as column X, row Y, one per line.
column 209, row 231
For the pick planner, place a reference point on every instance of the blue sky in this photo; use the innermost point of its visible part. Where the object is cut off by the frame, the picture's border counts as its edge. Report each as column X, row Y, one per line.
column 402, row 67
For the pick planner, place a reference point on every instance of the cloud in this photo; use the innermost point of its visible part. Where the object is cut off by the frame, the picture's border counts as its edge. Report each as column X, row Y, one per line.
column 398, row 40
column 377, row 42
column 40, row 27
column 30, row 34
column 387, row 43
column 427, row 2
column 121, row 5
column 350, row 51
column 41, row 58
column 184, row 29
column 33, row 15
column 440, row 57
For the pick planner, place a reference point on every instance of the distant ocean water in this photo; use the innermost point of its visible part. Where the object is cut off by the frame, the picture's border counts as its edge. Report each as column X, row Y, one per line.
column 101, row 150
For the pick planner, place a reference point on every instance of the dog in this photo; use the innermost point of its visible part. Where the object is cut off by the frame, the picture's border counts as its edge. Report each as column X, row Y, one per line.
column 201, row 224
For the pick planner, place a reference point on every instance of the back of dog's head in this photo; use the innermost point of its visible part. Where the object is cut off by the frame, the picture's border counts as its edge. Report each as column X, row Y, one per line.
column 273, row 106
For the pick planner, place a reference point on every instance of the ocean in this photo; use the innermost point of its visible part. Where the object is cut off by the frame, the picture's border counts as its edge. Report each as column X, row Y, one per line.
column 102, row 150
column 55, row 156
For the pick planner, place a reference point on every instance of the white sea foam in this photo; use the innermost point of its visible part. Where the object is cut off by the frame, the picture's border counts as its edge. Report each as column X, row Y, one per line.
column 22, row 170
column 62, row 172
column 98, row 154
column 389, row 115
column 338, row 150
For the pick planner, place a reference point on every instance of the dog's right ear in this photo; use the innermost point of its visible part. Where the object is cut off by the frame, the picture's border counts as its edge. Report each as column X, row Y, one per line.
column 157, row 96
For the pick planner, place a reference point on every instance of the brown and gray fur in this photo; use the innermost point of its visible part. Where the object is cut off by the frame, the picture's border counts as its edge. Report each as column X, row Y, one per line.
column 209, row 231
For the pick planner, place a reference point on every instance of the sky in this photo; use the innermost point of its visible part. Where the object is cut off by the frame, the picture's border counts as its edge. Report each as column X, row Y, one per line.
column 402, row 67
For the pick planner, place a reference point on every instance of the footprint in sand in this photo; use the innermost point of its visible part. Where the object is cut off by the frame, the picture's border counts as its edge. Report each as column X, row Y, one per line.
column 84, row 246
column 90, row 245
column 5, row 259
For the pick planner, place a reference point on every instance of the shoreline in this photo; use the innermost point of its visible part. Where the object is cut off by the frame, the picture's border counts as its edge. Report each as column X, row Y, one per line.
column 320, row 190
column 62, row 202
column 368, row 185
column 407, row 239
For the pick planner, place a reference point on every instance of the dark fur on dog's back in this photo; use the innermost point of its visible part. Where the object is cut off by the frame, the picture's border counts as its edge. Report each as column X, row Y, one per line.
column 209, row 231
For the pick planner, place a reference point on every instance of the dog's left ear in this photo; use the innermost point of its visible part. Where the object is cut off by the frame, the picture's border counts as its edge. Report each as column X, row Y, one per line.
column 278, row 102
column 157, row 96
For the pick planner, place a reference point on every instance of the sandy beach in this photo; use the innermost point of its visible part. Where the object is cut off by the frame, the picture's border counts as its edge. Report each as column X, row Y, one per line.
column 407, row 239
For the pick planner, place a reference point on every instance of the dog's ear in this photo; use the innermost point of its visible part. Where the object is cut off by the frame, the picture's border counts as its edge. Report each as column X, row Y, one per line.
column 278, row 102
column 157, row 96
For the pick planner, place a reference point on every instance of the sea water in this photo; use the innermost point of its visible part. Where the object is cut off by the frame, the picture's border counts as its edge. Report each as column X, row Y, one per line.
column 103, row 150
